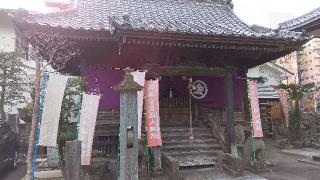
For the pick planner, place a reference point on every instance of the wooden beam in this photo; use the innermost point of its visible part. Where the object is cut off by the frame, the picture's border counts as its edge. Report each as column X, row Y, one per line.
column 186, row 71
column 229, row 108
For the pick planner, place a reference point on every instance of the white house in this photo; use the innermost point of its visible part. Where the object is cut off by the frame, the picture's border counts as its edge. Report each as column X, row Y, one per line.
column 8, row 42
column 271, row 75
column 7, row 31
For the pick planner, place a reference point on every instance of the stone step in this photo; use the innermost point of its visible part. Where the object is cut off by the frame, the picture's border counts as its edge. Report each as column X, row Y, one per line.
column 192, row 147
column 186, row 153
column 197, row 161
column 182, row 133
column 182, row 129
column 188, row 141
column 182, row 124
column 181, row 136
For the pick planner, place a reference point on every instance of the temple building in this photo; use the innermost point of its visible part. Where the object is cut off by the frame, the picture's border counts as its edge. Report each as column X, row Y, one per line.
column 177, row 42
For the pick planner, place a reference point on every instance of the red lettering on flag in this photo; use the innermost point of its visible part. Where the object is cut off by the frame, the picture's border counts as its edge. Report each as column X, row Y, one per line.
column 152, row 113
column 255, row 109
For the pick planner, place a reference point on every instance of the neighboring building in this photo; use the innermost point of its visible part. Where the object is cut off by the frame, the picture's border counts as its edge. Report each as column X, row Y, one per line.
column 9, row 43
column 310, row 73
column 309, row 22
column 310, row 64
column 306, row 63
column 268, row 76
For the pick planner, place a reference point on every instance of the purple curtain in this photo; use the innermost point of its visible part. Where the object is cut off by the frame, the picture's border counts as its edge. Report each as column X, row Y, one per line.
column 101, row 80
column 215, row 97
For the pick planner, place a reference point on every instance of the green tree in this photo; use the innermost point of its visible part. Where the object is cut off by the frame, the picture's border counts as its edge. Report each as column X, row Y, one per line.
column 295, row 93
column 69, row 111
column 47, row 50
column 12, row 82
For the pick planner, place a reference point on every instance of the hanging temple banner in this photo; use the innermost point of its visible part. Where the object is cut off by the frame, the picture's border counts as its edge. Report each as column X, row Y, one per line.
column 139, row 77
column 88, row 116
column 255, row 110
column 152, row 113
column 51, row 109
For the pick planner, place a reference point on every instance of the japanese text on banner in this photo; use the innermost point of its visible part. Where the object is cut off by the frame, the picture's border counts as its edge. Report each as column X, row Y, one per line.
column 255, row 109
column 152, row 113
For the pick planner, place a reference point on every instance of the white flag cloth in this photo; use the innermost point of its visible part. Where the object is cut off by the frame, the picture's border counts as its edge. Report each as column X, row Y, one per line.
column 88, row 116
column 51, row 109
column 139, row 77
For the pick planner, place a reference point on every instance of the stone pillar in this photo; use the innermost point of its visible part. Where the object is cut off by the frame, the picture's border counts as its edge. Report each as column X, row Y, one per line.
column 156, row 156
column 128, row 127
column 72, row 160
column 229, row 108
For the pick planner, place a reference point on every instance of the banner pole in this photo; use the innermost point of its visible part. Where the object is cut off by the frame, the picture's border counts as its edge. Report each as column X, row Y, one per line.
column 253, row 145
column 42, row 96
column 78, row 116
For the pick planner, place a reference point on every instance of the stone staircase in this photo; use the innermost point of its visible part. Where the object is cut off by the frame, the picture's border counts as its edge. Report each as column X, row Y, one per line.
column 181, row 153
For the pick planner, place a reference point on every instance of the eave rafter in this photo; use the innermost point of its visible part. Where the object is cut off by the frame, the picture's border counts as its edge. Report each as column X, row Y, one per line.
column 183, row 70
column 203, row 42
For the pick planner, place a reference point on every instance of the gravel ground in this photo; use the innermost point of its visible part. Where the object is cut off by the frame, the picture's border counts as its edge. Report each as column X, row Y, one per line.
column 15, row 174
column 287, row 167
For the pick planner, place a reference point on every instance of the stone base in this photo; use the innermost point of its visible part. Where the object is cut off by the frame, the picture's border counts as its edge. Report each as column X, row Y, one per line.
column 98, row 169
column 309, row 161
column 232, row 165
column 258, row 167
column 48, row 175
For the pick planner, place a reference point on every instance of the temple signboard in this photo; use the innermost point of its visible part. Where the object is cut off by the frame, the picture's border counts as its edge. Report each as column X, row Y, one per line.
column 152, row 113
column 255, row 110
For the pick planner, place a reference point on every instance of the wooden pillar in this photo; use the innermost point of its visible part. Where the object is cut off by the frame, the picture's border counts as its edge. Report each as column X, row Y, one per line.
column 72, row 160
column 229, row 108
column 128, row 127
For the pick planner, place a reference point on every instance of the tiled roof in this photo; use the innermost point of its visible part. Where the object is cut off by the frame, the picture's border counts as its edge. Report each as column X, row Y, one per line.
column 302, row 20
column 209, row 17
column 266, row 92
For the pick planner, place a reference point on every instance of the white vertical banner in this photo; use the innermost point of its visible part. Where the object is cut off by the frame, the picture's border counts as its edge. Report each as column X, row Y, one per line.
column 88, row 117
column 139, row 77
column 51, row 109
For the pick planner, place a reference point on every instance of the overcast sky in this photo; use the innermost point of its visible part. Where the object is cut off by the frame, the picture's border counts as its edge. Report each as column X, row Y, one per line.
column 262, row 12
column 271, row 12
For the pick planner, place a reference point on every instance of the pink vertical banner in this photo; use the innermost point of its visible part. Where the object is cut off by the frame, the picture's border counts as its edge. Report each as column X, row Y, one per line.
column 284, row 104
column 152, row 113
column 255, row 110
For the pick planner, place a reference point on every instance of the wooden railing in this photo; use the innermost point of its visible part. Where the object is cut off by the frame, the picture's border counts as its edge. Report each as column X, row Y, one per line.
column 217, row 131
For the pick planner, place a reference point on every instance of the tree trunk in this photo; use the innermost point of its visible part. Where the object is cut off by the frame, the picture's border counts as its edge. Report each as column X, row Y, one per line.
column 34, row 123
column 2, row 96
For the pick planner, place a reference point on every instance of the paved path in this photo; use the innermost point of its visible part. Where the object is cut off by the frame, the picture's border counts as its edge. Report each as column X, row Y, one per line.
column 15, row 174
column 287, row 167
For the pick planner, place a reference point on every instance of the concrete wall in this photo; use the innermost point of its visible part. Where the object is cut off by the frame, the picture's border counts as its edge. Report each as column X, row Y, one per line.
column 311, row 72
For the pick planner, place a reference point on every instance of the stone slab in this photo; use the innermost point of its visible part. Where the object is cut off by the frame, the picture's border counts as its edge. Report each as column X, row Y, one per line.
column 309, row 152
column 309, row 161
column 216, row 174
column 48, row 174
